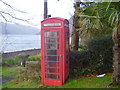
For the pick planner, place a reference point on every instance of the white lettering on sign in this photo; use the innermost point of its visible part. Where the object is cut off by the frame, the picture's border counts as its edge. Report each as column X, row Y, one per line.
column 52, row 24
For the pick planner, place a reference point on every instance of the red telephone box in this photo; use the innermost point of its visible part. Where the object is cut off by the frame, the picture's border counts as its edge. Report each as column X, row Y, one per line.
column 54, row 51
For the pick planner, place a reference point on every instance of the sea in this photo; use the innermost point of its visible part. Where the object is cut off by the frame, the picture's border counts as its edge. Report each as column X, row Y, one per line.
column 12, row 43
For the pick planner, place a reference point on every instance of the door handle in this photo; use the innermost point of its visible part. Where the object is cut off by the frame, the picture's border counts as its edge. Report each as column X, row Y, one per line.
column 60, row 55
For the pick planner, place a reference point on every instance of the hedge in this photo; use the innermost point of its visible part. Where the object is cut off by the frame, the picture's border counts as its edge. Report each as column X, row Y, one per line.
column 95, row 59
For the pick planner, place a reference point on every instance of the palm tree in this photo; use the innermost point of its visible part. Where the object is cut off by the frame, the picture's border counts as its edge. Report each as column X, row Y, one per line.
column 99, row 20
column 75, row 32
column 115, row 21
column 105, row 14
column 91, row 21
column 116, row 56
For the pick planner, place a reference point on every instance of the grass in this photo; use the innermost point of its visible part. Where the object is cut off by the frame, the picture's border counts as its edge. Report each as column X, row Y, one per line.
column 89, row 82
column 11, row 72
column 0, row 76
column 0, row 70
column 24, row 84
column 85, row 82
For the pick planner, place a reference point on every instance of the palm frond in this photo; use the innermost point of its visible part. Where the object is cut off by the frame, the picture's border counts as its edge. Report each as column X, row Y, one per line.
column 114, row 18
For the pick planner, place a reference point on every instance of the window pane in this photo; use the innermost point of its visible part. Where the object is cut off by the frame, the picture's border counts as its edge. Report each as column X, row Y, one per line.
column 52, row 52
column 52, row 58
column 52, row 76
column 58, row 33
column 67, row 42
column 58, row 46
column 52, row 64
column 52, row 46
column 52, row 70
column 52, row 40
column 51, row 34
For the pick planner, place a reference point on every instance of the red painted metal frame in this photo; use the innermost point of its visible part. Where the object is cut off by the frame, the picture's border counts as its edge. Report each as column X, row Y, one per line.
column 63, row 67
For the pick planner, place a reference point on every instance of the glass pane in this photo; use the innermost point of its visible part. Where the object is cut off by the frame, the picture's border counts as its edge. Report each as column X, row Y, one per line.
column 58, row 58
column 45, row 64
column 58, row 34
column 52, row 64
column 52, row 70
column 52, row 40
column 45, row 75
column 67, row 46
column 58, row 46
column 52, row 46
column 52, row 58
column 57, row 40
column 67, row 42
column 52, row 52
column 51, row 34
column 52, row 76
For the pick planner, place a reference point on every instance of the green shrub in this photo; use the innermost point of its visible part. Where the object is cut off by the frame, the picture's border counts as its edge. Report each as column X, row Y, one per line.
column 16, row 60
column 34, row 58
column 95, row 59
column 79, row 63
column 9, row 61
column 102, row 49
column 31, row 72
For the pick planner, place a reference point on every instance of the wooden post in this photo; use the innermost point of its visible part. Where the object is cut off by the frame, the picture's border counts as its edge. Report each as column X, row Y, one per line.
column 45, row 9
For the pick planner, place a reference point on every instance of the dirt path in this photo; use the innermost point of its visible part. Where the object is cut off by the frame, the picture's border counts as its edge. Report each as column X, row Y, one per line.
column 0, row 80
column 4, row 79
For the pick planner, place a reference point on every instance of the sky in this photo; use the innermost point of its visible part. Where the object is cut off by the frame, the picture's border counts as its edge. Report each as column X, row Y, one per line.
column 34, row 9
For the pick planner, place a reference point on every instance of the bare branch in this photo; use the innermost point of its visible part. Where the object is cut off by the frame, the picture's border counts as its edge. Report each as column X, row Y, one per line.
column 7, row 20
column 9, row 16
column 12, row 7
column 13, row 16
column 3, row 17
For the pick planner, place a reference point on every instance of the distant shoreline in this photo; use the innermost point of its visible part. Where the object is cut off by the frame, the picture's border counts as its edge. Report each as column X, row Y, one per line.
column 30, row 52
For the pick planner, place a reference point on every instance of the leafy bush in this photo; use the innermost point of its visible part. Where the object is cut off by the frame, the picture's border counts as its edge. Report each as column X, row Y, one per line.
column 10, row 61
column 95, row 59
column 31, row 72
column 16, row 60
column 34, row 58
column 102, row 49
column 80, row 63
